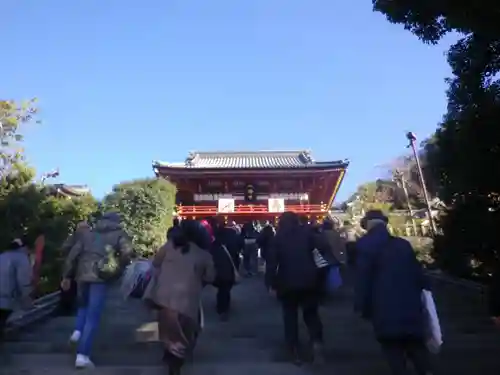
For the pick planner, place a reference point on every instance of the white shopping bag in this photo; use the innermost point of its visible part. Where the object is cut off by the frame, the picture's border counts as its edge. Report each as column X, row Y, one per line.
column 434, row 337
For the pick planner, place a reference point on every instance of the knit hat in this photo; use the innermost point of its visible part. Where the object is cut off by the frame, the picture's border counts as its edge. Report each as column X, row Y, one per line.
column 373, row 215
column 205, row 224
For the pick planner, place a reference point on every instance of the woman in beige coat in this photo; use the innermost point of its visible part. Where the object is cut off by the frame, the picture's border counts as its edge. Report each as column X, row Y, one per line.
column 181, row 269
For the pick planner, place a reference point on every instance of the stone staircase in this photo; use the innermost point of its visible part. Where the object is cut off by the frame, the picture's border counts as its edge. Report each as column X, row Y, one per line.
column 250, row 343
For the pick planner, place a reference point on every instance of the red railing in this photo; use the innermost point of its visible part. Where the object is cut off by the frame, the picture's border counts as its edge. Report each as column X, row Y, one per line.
column 251, row 209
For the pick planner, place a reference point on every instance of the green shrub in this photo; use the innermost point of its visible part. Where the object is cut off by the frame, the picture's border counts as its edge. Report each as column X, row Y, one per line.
column 26, row 211
column 146, row 206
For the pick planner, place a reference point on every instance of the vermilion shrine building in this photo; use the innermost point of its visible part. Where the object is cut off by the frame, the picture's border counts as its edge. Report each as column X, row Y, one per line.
column 260, row 185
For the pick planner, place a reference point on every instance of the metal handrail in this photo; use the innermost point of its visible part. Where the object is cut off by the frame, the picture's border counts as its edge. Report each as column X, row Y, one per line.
column 42, row 308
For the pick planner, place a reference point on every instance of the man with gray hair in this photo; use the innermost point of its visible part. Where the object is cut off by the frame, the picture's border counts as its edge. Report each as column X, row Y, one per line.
column 388, row 293
column 15, row 281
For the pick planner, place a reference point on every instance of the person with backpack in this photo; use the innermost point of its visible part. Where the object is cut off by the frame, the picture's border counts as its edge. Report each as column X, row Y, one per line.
column 15, row 281
column 388, row 293
column 96, row 260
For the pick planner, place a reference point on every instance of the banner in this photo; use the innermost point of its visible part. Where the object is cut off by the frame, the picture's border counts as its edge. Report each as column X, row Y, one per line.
column 226, row 205
column 276, row 205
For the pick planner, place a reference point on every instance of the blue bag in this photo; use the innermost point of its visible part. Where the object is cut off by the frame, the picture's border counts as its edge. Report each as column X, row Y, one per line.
column 333, row 279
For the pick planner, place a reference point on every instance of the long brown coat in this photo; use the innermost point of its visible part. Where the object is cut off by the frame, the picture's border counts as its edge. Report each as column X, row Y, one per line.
column 178, row 278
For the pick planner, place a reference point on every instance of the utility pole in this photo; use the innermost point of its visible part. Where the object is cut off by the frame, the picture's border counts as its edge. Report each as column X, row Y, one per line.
column 412, row 143
column 400, row 180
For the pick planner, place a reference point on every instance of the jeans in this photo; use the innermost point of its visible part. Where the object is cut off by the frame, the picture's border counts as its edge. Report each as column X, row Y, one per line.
column 92, row 297
column 397, row 351
column 223, row 298
column 307, row 301
column 250, row 259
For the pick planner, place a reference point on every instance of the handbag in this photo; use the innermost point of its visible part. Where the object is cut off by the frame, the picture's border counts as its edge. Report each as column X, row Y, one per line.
column 237, row 276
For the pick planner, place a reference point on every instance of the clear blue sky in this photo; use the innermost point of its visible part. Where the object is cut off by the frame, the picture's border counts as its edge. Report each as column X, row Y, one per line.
column 121, row 83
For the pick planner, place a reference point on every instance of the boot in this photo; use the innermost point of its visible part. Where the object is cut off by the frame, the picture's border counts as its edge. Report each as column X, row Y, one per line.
column 317, row 351
column 294, row 355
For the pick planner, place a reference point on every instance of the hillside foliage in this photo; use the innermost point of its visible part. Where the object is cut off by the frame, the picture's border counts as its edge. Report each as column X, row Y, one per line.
column 146, row 206
column 464, row 153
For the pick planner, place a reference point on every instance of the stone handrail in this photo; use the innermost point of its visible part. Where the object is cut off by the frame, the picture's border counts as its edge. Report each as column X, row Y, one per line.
column 42, row 308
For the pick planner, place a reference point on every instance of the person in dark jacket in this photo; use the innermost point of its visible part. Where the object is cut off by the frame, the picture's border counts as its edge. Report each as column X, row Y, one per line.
column 250, row 251
column 264, row 240
column 292, row 274
column 225, row 261
column 350, row 237
column 494, row 296
column 388, row 293
column 175, row 228
column 229, row 237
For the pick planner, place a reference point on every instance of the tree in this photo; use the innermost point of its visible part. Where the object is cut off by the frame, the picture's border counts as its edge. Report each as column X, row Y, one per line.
column 146, row 206
column 12, row 116
column 27, row 211
column 26, row 208
column 464, row 153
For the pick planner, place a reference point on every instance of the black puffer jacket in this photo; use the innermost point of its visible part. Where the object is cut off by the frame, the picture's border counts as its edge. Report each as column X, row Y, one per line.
column 290, row 263
column 224, row 270
column 494, row 294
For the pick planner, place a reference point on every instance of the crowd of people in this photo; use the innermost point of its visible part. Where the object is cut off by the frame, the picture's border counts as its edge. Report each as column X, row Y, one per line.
column 296, row 257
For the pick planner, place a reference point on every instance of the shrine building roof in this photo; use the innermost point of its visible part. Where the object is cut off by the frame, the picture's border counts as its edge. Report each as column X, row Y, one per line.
column 251, row 160
column 68, row 190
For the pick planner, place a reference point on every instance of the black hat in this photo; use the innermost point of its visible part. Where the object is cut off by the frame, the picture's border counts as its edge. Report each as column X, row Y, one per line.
column 373, row 215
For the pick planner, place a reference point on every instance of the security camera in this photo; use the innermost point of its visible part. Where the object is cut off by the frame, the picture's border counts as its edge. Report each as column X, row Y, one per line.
column 411, row 136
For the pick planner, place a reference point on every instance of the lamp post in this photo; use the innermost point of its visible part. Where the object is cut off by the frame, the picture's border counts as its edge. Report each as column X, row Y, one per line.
column 399, row 178
column 412, row 143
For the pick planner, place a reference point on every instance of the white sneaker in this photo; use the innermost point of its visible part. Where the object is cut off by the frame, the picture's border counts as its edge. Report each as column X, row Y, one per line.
column 83, row 362
column 75, row 337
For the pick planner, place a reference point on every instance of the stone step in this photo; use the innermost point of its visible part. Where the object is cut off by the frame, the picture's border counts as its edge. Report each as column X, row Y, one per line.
column 194, row 369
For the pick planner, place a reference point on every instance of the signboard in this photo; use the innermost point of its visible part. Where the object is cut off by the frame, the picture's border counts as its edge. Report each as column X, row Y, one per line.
column 290, row 196
column 211, row 197
column 276, row 205
column 226, row 205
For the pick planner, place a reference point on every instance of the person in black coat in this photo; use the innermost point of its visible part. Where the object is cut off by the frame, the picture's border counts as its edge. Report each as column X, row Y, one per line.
column 250, row 251
column 226, row 259
column 292, row 274
column 264, row 240
column 494, row 297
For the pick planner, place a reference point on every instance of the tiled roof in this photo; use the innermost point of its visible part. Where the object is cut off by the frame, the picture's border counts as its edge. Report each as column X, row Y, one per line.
column 69, row 190
column 246, row 160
